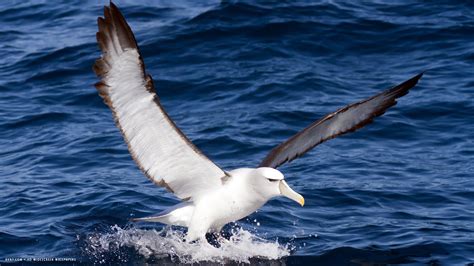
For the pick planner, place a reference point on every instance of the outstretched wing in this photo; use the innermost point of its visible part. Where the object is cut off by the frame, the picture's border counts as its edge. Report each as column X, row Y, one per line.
column 347, row 119
column 160, row 149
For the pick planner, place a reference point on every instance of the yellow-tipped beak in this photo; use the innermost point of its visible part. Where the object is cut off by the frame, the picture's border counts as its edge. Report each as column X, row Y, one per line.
column 286, row 191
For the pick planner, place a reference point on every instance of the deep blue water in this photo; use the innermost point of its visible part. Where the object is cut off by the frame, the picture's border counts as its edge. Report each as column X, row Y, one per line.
column 239, row 77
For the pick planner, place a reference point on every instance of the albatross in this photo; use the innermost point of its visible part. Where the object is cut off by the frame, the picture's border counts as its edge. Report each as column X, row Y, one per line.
column 211, row 197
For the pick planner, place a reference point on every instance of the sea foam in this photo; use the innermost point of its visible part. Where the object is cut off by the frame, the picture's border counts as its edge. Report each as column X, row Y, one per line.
column 169, row 243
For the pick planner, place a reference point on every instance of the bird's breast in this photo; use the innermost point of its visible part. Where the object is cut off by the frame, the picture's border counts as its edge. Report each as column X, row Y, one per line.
column 229, row 204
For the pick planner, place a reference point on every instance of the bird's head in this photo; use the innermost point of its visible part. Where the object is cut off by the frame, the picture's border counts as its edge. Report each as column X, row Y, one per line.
column 271, row 183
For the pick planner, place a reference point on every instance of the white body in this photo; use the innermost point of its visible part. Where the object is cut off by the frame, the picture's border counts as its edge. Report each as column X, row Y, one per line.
column 245, row 191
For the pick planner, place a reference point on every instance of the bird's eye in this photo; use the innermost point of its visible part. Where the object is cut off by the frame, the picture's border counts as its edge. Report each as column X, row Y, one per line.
column 272, row 180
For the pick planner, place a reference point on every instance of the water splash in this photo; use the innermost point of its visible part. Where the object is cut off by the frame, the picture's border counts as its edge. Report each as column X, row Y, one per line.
column 169, row 243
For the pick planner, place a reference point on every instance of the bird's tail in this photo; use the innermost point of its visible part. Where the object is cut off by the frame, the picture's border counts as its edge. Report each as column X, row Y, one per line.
column 179, row 214
column 157, row 219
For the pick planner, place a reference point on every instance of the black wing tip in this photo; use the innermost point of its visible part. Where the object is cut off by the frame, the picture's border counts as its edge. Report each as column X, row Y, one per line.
column 113, row 8
column 111, row 4
column 403, row 88
column 112, row 27
column 117, row 24
column 420, row 74
column 416, row 78
column 412, row 81
column 114, row 23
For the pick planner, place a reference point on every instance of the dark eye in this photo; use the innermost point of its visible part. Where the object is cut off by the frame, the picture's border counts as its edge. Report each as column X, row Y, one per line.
column 272, row 180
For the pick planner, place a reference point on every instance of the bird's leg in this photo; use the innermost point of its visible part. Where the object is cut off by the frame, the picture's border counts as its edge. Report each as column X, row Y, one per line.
column 222, row 240
column 213, row 239
column 224, row 235
column 194, row 235
column 218, row 237
column 197, row 229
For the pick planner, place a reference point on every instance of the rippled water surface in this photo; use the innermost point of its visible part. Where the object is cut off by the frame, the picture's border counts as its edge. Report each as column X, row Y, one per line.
column 239, row 77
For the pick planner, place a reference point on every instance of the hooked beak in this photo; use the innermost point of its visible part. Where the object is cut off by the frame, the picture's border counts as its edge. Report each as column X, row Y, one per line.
column 286, row 191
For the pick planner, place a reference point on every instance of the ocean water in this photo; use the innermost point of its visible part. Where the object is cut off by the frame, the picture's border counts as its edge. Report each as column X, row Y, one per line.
column 239, row 77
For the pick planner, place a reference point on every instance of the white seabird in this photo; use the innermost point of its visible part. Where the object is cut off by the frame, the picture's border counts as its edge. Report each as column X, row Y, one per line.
column 211, row 196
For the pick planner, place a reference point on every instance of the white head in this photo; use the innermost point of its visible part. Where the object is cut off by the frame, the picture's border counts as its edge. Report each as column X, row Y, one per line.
column 271, row 183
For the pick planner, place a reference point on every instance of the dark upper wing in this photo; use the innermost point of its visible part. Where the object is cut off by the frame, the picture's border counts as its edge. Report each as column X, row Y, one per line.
column 347, row 119
column 159, row 148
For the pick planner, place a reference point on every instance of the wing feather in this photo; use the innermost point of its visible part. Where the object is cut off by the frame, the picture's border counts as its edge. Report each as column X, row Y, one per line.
column 344, row 120
column 156, row 144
